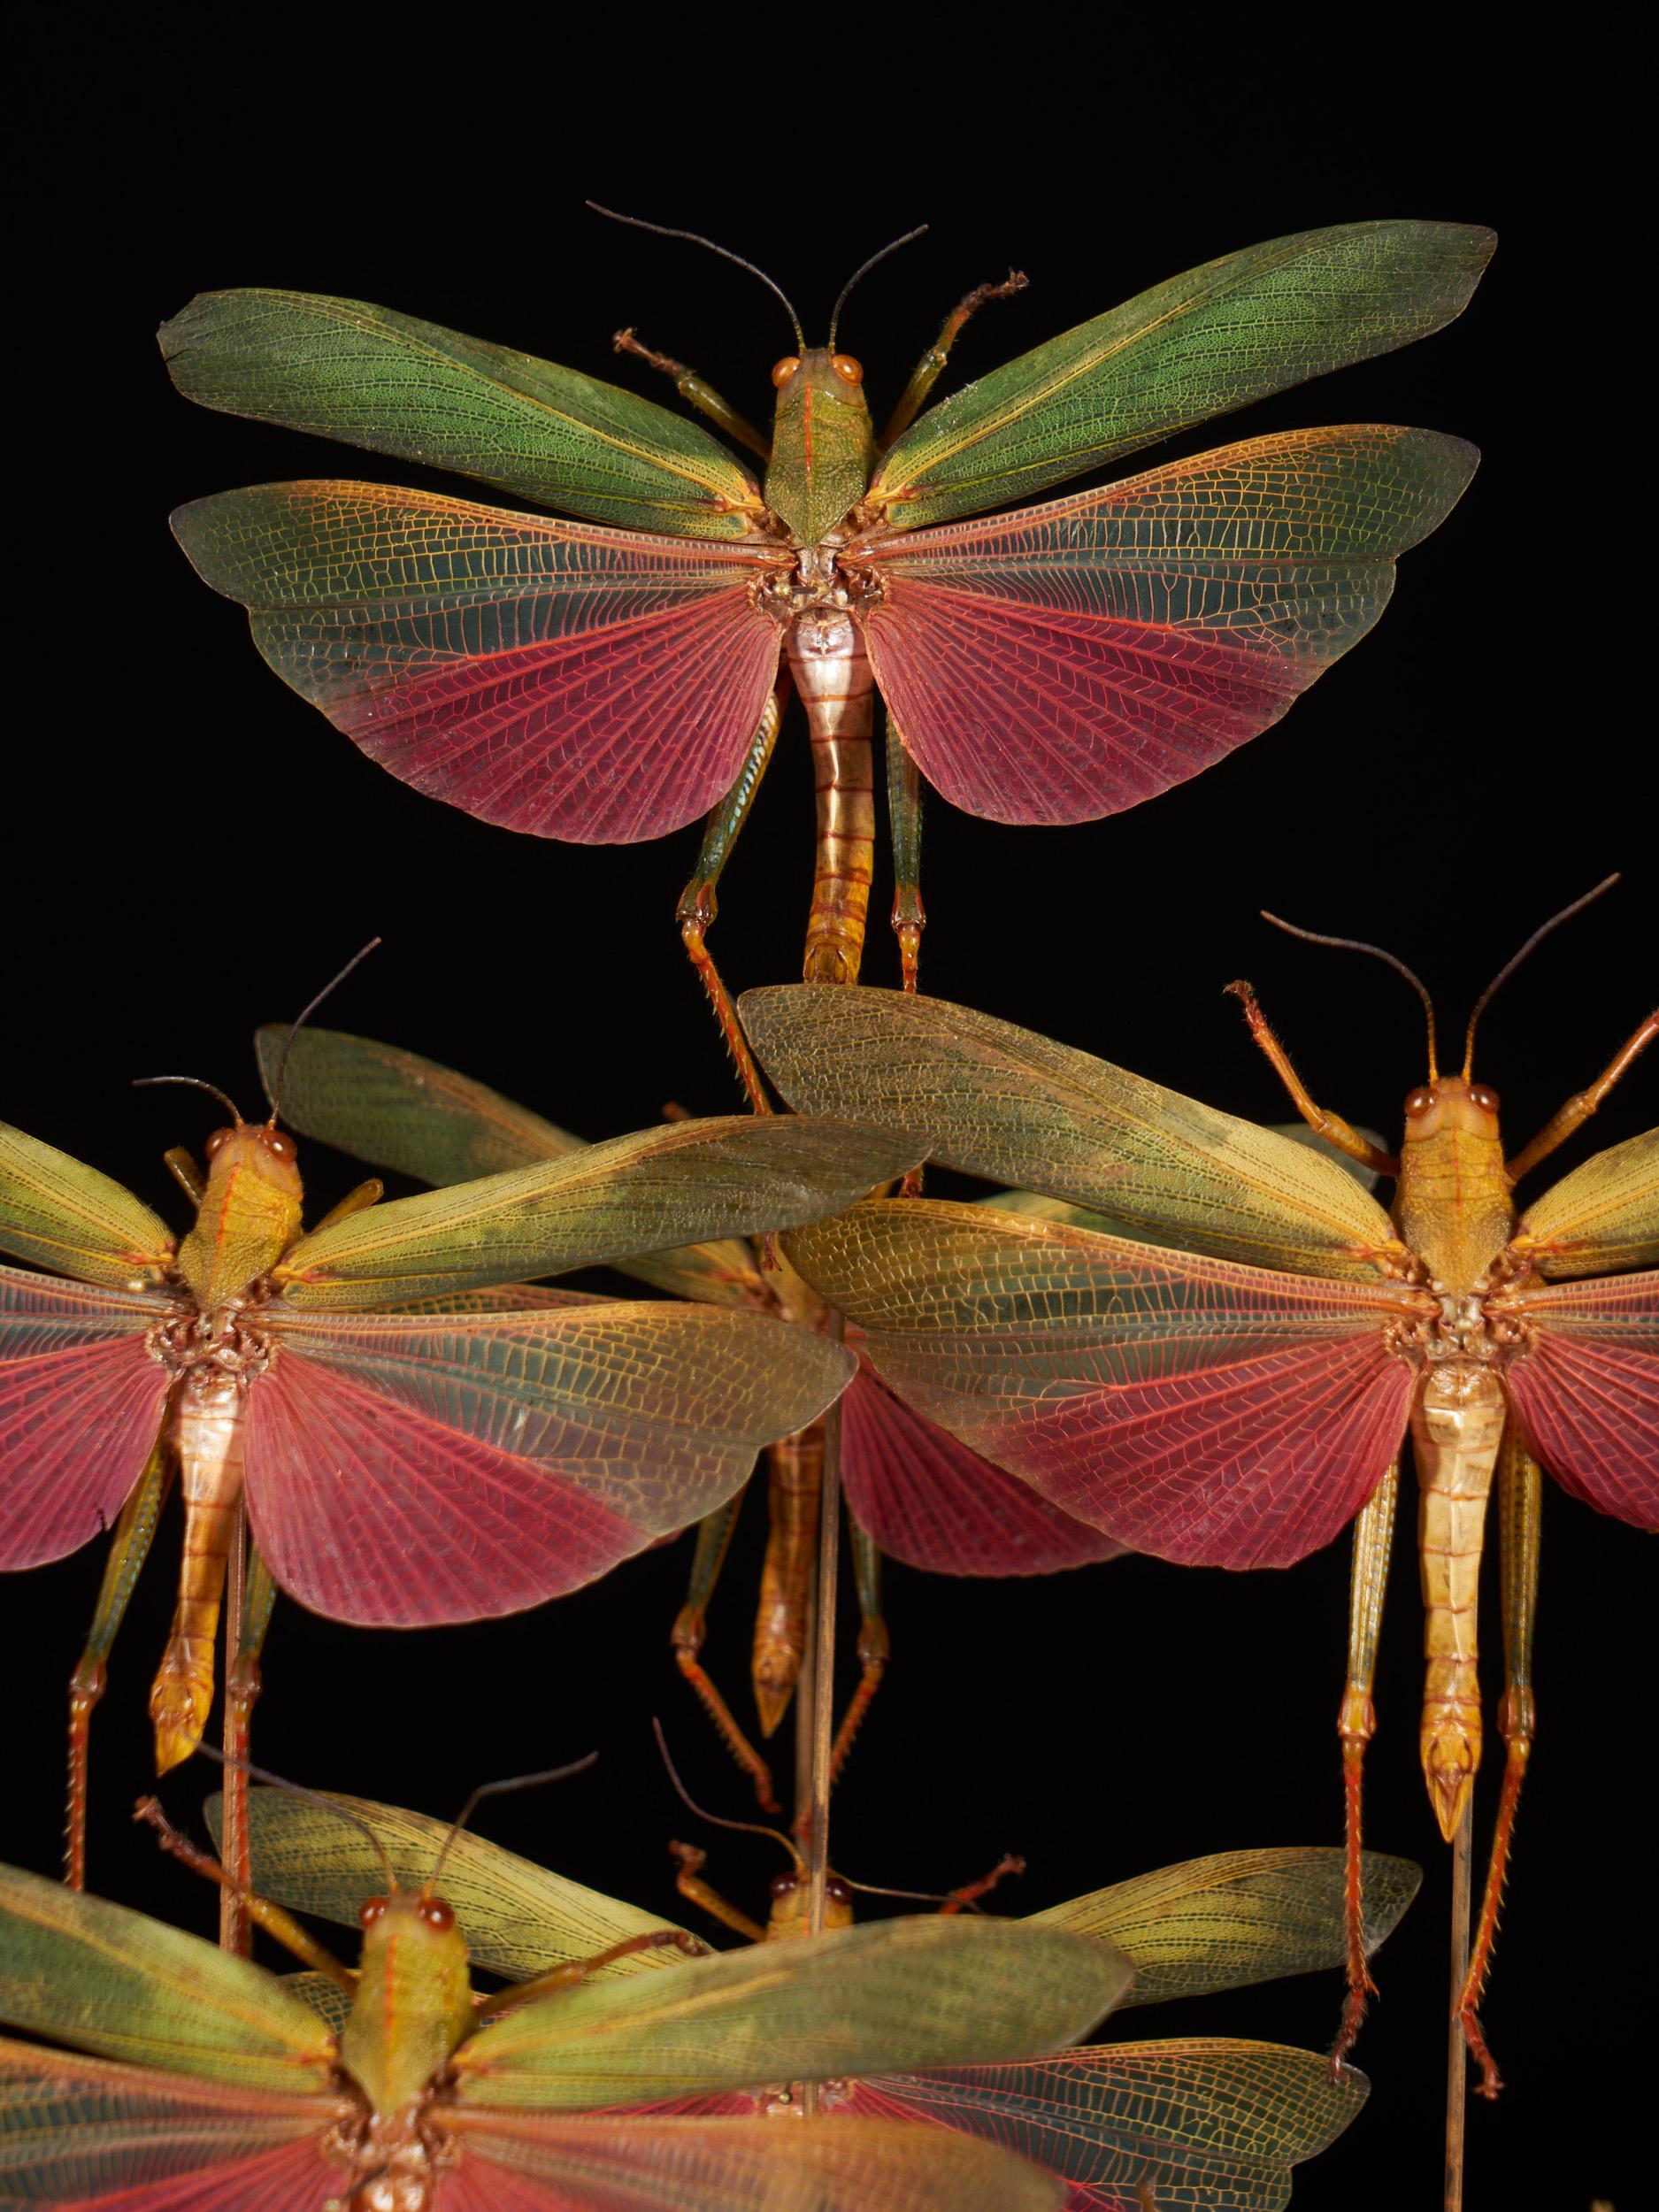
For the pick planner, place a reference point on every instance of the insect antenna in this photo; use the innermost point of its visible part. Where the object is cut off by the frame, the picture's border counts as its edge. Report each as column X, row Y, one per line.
column 1352, row 944
column 716, row 1820
column 1509, row 966
column 142, row 1082
column 303, row 1015
column 501, row 1789
column 311, row 1797
column 864, row 270
column 666, row 230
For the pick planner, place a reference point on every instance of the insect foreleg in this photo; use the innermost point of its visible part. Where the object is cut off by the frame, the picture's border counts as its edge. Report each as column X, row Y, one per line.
column 714, row 1535
column 1578, row 1108
column 280, row 1925
column 1357, row 1725
column 698, row 903
column 696, row 393
column 128, row 1549
column 1520, row 1503
column 926, row 374
column 1332, row 1127
column 691, row 1885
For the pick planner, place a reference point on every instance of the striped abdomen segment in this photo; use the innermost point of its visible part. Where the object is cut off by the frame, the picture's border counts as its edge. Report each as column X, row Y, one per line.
column 1456, row 1427
column 832, row 674
column 794, row 1476
column 209, row 1433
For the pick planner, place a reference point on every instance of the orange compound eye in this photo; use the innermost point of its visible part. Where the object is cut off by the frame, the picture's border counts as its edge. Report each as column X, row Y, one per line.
column 782, row 371
column 1418, row 1102
column 372, row 1907
column 437, row 1915
column 836, row 1888
column 850, row 372
column 1484, row 1097
column 217, row 1142
column 283, row 1147
column 783, row 1885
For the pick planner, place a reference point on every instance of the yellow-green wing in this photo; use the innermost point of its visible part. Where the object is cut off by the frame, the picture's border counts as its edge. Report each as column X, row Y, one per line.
column 921, row 1992
column 60, row 1213
column 1006, row 1104
column 734, row 1175
column 519, row 1919
column 343, row 369
column 1201, row 344
column 1236, row 1917
column 1604, row 1217
column 113, row 1981
column 395, row 1110
column 774, row 2165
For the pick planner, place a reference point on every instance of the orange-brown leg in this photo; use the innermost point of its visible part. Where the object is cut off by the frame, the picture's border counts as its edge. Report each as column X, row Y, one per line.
column 1331, row 1127
column 714, row 1535
column 574, row 1970
column 251, row 1594
column 1520, row 1513
column 707, row 1899
column 699, row 903
column 276, row 1923
column 971, row 1893
column 695, row 393
column 1579, row 1108
column 926, row 374
column 128, row 1549
column 874, row 1648
column 904, row 822
column 1356, row 1724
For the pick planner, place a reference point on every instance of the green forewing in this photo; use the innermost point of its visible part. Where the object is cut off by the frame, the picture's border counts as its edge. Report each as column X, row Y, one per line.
column 395, row 1110
column 1236, row 1917
column 58, row 1213
column 1221, row 335
column 114, row 1982
column 1003, row 1102
column 923, row 1991
column 343, row 369
column 732, row 1175
column 519, row 1919
column 1604, row 1216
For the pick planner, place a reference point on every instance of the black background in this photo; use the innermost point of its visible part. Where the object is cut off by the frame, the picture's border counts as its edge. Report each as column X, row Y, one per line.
column 194, row 850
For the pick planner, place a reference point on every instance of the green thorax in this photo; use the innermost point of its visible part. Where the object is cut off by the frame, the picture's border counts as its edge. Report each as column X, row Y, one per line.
column 413, row 2005
column 1452, row 1203
column 823, row 447
column 249, row 1214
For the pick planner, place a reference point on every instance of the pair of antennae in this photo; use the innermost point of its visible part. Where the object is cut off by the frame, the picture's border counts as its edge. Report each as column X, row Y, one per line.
column 456, row 1826
column 1352, row 944
column 274, row 1094
column 664, row 230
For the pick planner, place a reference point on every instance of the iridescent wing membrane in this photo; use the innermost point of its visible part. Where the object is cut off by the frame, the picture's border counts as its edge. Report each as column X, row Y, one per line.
column 1235, row 1409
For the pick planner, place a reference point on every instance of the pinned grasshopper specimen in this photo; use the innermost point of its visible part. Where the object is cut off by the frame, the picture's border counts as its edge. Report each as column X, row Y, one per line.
column 414, row 1445
column 1210, row 2121
column 1223, row 1369
column 913, row 1491
column 608, row 680
column 210, row 2083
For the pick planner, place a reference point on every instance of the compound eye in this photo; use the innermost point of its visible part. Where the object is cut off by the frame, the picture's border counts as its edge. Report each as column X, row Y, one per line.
column 1418, row 1102
column 782, row 371
column 783, row 1885
column 836, row 1888
column 217, row 1142
column 437, row 1914
column 1486, row 1097
column 283, row 1147
column 372, row 1907
column 850, row 372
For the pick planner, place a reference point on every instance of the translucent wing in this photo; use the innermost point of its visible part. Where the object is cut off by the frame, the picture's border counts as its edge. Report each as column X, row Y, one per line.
column 402, row 1472
column 519, row 1919
column 395, row 1110
column 1199, row 345
column 732, row 1175
column 904, row 1992
column 1602, row 1217
column 1236, row 1917
column 342, row 369
column 545, row 676
column 80, row 1403
column 1006, row 1104
column 1071, row 660
column 1585, row 1384
column 79, row 2130
column 529, row 2162
column 113, row 1982
column 1211, row 2124
column 60, row 1213
column 1206, row 1413
column 929, row 1501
